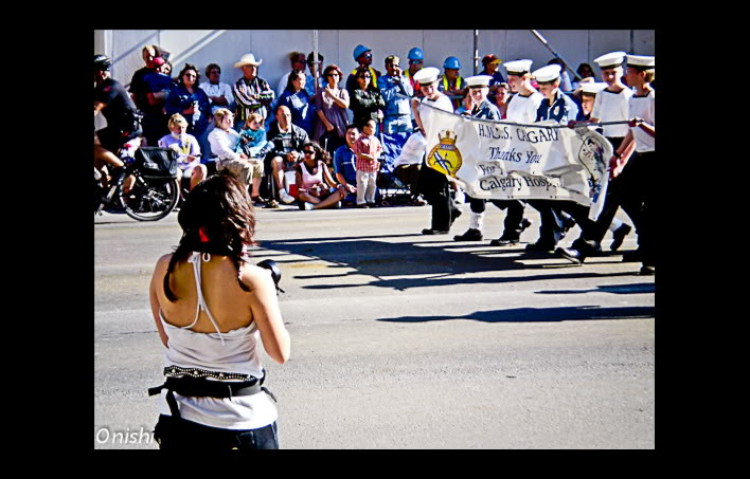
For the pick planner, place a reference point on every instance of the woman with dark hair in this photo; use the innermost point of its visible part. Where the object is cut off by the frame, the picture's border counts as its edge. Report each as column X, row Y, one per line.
column 331, row 103
column 296, row 98
column 315, row 184
column 584, row 71
column 366, row 103
column 212, row 309
column 192, row 103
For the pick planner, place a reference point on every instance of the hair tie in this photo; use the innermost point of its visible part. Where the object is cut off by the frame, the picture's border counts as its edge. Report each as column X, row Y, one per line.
column 202, row 234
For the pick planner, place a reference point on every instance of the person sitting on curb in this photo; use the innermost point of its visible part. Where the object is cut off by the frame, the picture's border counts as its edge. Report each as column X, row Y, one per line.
column 315, row 185
column 288, row 140
column 253, row 143
column 345, row 165
column 188, row 151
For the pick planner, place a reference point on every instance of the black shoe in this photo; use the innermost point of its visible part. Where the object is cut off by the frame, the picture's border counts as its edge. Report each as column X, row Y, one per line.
column 539, row 247
column 572, row 255
column 470, row 235
column 632, row 257
column 568, row 224
column 503, row 241
column 618, row 236
column 648, row 270
column 434, row 232
column 455, row 215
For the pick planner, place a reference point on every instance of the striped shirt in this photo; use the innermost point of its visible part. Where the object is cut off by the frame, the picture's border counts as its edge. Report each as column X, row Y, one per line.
column 242, row 91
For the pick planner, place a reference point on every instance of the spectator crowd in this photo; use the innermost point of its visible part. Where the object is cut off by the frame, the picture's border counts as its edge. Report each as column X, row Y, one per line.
column 324, row 141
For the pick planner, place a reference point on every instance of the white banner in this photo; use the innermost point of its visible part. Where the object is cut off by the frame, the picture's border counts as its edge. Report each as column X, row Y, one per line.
column 501, row 160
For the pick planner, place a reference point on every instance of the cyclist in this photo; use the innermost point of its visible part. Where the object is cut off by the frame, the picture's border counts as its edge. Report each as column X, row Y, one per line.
column 123, row 118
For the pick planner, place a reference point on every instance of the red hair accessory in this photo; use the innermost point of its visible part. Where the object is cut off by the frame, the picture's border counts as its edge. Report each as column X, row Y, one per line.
column 202, row 234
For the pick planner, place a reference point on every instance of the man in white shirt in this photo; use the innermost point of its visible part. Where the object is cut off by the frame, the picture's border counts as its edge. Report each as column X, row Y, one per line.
column 610, row 105
column 638, row 172
column 523, row 105
column 433, row 184
column 633, row 175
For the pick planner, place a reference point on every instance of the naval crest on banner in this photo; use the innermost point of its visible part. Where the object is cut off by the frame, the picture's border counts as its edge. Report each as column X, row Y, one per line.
column 445, row 157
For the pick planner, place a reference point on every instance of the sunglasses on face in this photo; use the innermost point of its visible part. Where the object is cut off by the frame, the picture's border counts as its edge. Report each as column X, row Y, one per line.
column 309, row 152
column 415, row 62
column 333, row 75
column 365, row 76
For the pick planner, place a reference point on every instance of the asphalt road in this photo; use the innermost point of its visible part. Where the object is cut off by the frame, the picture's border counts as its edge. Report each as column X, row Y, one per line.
column 405, row 341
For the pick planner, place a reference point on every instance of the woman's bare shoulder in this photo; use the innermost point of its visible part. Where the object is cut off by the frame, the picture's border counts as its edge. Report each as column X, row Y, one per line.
column 256, row 277
column 163, row 262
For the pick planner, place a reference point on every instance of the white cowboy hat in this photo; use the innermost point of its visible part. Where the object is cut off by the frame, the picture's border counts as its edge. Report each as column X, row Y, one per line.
column 247, row 59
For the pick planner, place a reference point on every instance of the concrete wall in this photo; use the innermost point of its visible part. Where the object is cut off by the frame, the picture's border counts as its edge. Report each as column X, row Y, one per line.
column 225, row 47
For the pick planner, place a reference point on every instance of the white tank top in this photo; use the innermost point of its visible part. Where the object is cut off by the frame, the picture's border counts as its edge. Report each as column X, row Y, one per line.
column 235, row 352
column 308, row 179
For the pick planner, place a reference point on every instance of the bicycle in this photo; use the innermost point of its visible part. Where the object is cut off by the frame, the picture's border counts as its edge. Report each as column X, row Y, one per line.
column 155, row 191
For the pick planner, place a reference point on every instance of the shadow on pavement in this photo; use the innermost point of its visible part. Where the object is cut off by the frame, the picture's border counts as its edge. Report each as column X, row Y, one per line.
column 641, row 288
column 534, row 315
column 381, row 259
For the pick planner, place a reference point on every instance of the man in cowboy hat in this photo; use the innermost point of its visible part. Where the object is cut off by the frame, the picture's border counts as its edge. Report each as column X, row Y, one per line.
column 252, row 93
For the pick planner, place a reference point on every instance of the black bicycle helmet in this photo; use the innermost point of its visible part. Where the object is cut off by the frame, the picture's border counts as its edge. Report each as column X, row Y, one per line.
column 102, row 62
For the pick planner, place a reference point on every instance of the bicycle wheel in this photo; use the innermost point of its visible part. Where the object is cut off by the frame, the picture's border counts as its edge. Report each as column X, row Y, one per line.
column 151, row 200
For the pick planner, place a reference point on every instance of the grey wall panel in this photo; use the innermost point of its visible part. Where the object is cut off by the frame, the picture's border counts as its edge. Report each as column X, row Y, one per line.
column 606, row 41
column 643, row 42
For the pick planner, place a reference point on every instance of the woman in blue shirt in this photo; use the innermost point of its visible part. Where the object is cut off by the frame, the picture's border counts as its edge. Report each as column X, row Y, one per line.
column 296, row 98
column 192, row 103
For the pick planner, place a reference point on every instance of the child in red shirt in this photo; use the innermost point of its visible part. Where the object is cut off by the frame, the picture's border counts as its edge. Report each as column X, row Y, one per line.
column 368, row 150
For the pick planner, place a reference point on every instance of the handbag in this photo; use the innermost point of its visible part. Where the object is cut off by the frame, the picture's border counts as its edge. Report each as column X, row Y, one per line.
column 156, row 163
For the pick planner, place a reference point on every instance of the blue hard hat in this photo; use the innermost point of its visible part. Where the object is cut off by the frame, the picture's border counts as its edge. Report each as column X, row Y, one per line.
column 360, row 50
column 416, row 54
column 452, row 63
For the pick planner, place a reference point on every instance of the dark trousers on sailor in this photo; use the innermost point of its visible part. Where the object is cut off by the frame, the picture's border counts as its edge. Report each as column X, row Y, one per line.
column 435, row 188
column 553, row 219
column 512, row 223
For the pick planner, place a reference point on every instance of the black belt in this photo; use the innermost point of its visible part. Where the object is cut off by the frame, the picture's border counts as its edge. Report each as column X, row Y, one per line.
column 189, row 386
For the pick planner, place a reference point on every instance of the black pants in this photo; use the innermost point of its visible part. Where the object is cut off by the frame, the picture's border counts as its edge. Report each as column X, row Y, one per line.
column 611, row 202
column 434, row 187
column 512, row 223
column 155, row 126
column 185, row 436
column 553, row 218
column 635, row 195
column 409, row 175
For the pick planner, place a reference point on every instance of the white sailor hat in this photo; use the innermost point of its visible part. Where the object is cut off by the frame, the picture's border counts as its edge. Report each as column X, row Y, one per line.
column 592, row 88
column 518, row 67
column 478, row 81
column 640, row 61
column 427, row 75
column 547, row 74
column 610, row 60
